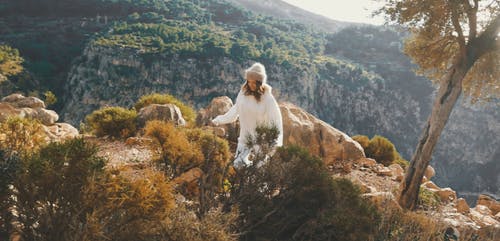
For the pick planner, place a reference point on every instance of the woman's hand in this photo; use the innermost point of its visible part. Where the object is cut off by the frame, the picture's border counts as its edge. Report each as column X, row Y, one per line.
column 215, row 122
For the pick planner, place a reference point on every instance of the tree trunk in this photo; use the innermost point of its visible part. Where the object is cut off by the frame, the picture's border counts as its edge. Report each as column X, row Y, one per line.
column 448, row 93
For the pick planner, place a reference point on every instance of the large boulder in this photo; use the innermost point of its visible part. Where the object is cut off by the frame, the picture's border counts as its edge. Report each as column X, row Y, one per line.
column 429, row 172
column 46, row 117
column 60, row 131
column 321, row 139
column 165, row 112
column 19, row 101
column 218, row 106
column 489, row 202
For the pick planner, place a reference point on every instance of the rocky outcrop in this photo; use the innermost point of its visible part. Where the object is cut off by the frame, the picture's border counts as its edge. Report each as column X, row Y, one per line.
column 321, row 139
column 490, row 203
column 165, row 112
column 17, row 105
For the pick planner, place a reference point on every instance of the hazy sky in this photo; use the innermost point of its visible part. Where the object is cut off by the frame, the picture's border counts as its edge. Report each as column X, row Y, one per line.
column 344, row 10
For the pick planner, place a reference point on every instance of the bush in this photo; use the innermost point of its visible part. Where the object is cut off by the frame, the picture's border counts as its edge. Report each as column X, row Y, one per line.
column 293, row 197
column 124, row 207
column 48, row 189
column 408, row 226
column 183, row 225
column 364, row 141
column 21, row 135
column 112, row 121
column 428, row 199
column 215, row 165
column 178, row 154
column 187, row 112
column 382, row 150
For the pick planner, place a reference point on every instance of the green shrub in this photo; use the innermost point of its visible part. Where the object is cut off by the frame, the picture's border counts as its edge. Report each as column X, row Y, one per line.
column 401, row 161
column 112, row 121
column 50, row 98
column 293, row 197
column 178, row 154
column 382, row 150
column 364, row 141
column 428, row 199
column 187, row 112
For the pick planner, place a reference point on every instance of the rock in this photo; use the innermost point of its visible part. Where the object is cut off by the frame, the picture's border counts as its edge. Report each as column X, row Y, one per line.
column 321, row 139
column 482, row 216
column 218, row 106
column 482, row 209
column 429, row 172
column 382, row 199
column 13, row 98
column 366, row 162
column 60, row 131
column 218, row 131
column 497, row 217
column 462, row 206
column 424, row 179
column 446, row 194
column 383, row 171
column 7, row 110
column 134, row 141
column 397, row 170
column 431, row 185
column 46, row 117
column 19, row 101
column 189, row 176
column 165, row 112
column 489, row 202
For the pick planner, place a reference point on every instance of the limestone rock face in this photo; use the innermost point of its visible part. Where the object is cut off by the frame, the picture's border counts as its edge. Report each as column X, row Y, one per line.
column 166, row 112
column 321, row 139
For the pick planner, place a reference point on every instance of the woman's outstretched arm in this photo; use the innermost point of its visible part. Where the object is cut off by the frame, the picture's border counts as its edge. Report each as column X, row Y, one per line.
column 230, row 116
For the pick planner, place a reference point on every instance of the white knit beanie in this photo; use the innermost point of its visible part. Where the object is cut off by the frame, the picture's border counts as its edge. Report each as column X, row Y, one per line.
column 259, row 69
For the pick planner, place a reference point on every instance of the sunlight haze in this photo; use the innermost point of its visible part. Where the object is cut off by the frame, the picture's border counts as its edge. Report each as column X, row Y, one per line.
column 352, row 10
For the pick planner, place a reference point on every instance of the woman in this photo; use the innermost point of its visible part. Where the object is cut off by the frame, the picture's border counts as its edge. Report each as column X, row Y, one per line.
column 255, row 105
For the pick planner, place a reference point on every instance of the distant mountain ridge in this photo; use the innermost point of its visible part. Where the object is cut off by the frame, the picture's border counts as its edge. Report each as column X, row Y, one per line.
column 284, row 10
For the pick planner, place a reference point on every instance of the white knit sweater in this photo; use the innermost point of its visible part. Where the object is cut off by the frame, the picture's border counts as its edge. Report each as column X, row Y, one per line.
column 253, row 113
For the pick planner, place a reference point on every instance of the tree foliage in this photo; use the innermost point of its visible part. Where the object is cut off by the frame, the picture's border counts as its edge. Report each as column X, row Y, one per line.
column 447, row 30
column 10, row 62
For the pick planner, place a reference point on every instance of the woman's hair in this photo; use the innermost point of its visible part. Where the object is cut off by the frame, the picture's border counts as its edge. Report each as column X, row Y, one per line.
column 260, row 90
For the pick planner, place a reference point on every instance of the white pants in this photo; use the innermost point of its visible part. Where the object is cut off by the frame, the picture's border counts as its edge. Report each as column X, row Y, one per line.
column 241, row 158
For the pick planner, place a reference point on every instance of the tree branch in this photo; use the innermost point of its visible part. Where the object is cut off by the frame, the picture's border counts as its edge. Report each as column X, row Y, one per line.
column 472, row 16
column 456, row 23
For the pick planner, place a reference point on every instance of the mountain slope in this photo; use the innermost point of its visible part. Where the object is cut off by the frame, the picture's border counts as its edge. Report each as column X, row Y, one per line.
column 281, row 9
